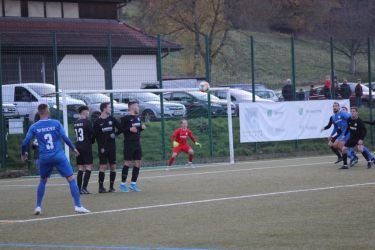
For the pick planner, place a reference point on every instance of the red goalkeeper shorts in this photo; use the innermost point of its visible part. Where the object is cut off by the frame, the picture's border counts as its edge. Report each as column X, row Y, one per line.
column 184, row 148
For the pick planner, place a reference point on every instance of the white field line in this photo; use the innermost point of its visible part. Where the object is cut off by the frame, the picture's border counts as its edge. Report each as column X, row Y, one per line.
column 179, row 167
column 191, row 202
column 184, row 174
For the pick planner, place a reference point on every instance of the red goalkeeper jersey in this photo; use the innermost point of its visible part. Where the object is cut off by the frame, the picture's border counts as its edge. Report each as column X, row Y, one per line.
column 180, row 135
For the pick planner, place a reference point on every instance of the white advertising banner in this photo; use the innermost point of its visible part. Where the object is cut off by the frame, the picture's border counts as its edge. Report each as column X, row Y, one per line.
column 282, row 121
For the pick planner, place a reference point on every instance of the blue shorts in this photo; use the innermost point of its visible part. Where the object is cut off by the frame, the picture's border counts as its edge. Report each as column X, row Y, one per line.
column 59, row 161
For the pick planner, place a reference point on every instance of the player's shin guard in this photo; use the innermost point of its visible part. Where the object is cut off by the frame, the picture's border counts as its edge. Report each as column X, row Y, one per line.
column 124, row 174
column 368, row 153
column 135, row 174
column 79, row 179
column 171, row 160
column 86, row 178
column 75, row 192
column 112, row 178
column 336, row 152
column 40, row 192
column 191, row 158
column 101, row 179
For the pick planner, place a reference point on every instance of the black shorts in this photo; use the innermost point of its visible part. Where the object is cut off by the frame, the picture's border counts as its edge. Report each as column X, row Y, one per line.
column 352, row 142
column 334, row 138
column 85, row 156
column 107, row 156
column 132, row 151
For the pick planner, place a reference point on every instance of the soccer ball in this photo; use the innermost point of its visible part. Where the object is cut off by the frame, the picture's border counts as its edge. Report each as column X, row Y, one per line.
column 204, row 86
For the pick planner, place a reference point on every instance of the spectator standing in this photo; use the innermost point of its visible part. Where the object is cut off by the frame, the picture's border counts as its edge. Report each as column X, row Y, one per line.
column 287, row 91
column 301, row 95
column 345, row 90
column 312, row 91
column 358, row 94
column 327, row 88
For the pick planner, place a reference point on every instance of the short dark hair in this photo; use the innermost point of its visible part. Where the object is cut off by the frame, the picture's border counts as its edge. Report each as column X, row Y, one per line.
column 131, row 102
column 355, row 108
column 103, row 106
column 336, row 103
column 42, row 108
column 82, row 108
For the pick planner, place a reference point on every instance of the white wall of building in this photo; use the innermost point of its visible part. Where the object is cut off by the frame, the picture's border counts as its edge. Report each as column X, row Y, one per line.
column 78, row 72
column 131, row 70
column 71, row 10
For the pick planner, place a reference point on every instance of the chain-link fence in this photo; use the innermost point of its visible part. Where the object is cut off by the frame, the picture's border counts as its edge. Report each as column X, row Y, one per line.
column 36, row 66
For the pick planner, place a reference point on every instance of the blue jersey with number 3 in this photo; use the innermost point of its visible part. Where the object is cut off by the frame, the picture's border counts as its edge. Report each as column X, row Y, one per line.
column 48, row 134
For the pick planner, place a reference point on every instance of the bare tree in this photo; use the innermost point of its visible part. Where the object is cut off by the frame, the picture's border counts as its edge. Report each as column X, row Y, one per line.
column 349, row 24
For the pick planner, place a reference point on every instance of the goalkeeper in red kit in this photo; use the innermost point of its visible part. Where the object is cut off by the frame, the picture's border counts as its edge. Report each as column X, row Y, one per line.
column 179, row 140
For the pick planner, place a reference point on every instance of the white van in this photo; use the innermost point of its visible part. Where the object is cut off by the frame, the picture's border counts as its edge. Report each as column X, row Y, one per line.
column 27, row 96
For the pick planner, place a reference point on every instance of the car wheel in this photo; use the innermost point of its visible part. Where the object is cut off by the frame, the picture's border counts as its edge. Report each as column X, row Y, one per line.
column 148, row 115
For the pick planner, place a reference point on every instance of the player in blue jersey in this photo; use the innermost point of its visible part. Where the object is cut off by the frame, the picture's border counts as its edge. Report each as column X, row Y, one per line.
column 49, row 133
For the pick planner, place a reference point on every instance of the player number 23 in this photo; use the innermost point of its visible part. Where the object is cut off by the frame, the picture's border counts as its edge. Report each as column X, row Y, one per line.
column 48, row 138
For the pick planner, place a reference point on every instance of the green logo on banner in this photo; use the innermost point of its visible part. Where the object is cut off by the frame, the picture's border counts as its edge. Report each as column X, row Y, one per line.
column 269, row 113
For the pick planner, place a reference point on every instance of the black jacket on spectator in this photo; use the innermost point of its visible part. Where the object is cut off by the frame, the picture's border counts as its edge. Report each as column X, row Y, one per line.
column 345, row 91
column 358, row 90
column 287, row 92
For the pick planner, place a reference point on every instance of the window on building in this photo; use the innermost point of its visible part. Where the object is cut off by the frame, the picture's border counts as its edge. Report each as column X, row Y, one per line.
column 12, row 8
column 53, row 9
column 70, row 10
column 36, row 9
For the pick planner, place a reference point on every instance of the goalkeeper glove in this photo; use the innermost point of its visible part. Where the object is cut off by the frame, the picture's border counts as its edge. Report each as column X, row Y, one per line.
column 175, row 144
column 198, row 144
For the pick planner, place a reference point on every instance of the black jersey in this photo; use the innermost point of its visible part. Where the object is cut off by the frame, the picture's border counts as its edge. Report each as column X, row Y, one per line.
column 105, row 132
column 84, row 133
column 129, row 121
column 357, row 129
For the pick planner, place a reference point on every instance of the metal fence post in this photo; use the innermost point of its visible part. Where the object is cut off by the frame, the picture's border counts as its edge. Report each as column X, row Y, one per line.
column 56, row 75
column 333, row 94
column 109, row 83
column 293, row 77
column 253, row 77
column 370, row 86
column 2, row 127
column 208, row 79
column 160, row 79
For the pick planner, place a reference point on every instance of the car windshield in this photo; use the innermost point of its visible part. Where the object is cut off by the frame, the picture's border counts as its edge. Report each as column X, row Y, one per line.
column 44, row 90
column 203, row 96
column 147, row 97
column 97, row 98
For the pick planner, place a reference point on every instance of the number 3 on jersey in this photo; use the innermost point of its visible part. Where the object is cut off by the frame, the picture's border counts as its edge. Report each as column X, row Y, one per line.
column 79, row 134
column 49, row 144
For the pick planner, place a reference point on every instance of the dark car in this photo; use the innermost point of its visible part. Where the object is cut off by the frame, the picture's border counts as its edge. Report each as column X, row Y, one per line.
column 196, row 103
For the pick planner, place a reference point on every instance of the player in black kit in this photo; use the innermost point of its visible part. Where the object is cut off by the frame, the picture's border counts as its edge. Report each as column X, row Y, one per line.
column 105, row 133
column 358, row 131
column 132, row 126
column 84, row 140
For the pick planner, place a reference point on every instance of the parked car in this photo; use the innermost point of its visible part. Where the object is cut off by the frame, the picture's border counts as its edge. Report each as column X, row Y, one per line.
column 196, row 103
column 93, row 101
column 10, row 111
column 150, row 107
column 238, row 96
column 260, row 90
column 365, row 96
column 27, row 96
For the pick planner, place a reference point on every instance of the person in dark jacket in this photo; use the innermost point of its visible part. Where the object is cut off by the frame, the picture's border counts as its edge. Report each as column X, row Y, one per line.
column 358, row 94
column 287, row 91
column 301, row 95
column 345, row 90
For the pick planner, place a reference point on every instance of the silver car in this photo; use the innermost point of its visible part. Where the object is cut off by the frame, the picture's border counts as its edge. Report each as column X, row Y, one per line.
column 149, row 105
column 93, row 101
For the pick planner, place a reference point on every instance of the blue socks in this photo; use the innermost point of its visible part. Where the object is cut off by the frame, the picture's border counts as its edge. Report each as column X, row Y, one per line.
column 40, row 192
column 75, row 192
column 368, row 153
column 351, row 154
